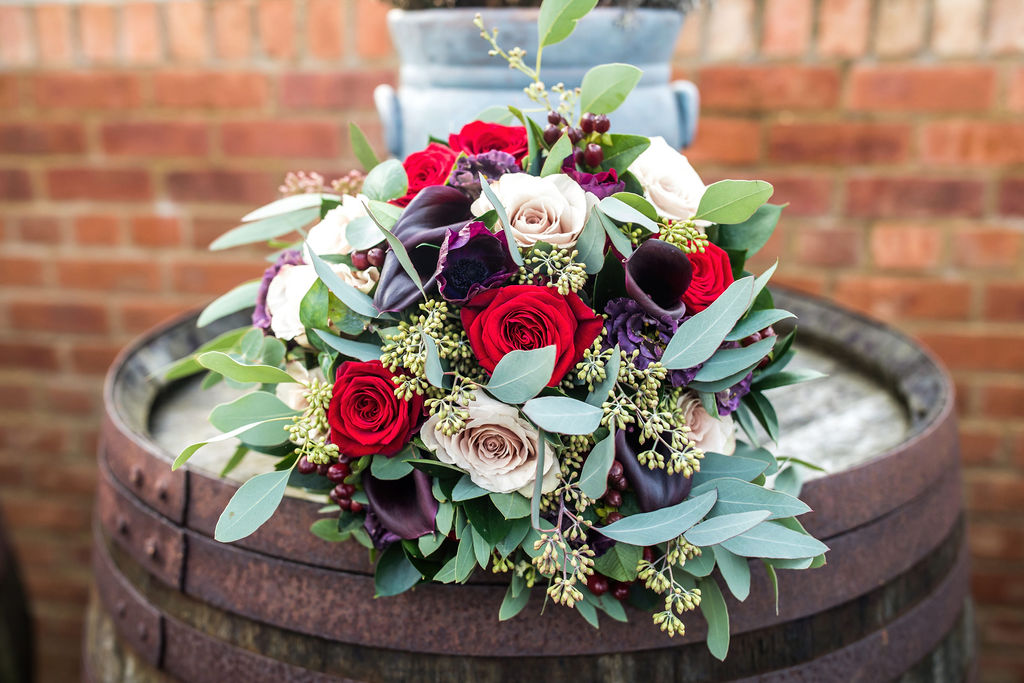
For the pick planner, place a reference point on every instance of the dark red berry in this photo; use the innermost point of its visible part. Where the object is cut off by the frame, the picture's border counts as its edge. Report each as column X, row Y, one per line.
column 621, row 592
column 304, row 466
column 594, row 155
column 620, row 484
column 768, row 332
column 345, row 504
column 338, row 471
column 375, row 256
column 613, row 517
column 347, row 489
column 340, row 492
column 356, row 506
column 613, row 498
column 322, row 470
column 587, row 123
column 359, row 260
column 554, row 118
column 578, row 157
column 648, row 554
column 615, row 471
column 575, row 134
column 602, row 124
column 597, row 584
column 747, row 341
column 551, row 135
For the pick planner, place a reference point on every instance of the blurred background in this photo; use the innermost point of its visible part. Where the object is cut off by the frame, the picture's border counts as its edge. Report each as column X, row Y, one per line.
column 134, row 132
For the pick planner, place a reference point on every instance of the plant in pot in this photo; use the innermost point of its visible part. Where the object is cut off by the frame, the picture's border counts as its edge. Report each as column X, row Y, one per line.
column 445, row 80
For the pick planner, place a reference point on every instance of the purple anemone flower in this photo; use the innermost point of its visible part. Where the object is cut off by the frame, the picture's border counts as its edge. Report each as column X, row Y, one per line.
column 729, row 399
column 260, row 316
column 655, row 489
column 629, row 326
column 657, row 274
column 404, row 507
column 421, row 229
column 601, row 185
column 493, row 164
column 472, row 259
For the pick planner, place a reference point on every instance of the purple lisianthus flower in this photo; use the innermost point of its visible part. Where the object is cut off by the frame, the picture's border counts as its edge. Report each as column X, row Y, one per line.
column 601, row 185
column 657, row 274
column 260, row 316
column 629, row 326
column 404, row 507
column 493, row 165
column 472, row 259
column 729, row 399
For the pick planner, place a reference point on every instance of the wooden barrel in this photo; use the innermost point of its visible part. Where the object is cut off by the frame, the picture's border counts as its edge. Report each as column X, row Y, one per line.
column 16, row 652
column 892, row 602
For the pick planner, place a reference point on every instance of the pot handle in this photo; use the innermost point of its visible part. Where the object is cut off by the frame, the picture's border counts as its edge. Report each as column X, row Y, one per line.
column 390, row 113
column 688, row 104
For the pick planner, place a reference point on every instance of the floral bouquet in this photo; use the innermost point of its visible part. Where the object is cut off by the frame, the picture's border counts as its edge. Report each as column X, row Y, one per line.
column 526, row 350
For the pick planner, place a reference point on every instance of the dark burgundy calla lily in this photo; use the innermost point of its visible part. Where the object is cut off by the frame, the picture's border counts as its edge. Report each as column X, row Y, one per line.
column 405, row 507
column 655, row 489
column 421, row 229
column 473, row 259
column 657, row 274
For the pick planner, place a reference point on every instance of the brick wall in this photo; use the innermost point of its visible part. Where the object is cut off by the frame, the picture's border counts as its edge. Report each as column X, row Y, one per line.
column 131, row 133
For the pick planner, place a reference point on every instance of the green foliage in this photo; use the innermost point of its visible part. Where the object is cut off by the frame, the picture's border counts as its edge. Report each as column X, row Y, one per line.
column 712, row 606
column 617, row 209
column 623, row 151
column 361, row 147
column 735, row 495
column 386, row 181
column 718, row 466
column 700, row 336
column 514, row 602
column 559, row 151
column 751, row 234
column 756, row 321
column 594, row 477
column 188, row 365
column 715, row 530
column 256, row 405
column 394, row 573
column 348, row 347
column 521, row 375
column 590, row 244
column 513, row 248
column 557, row 19
column 222, row 363
column 391, row 468
column 605, row 87
column 349, row 295
column 238, row 299
column 252, row 505
column 732, row 201
column 649, row 528
column 773, row 540
column 735, row 570
column 511, row 505
column 563, row 415
column 619, row 563
column 270, row 227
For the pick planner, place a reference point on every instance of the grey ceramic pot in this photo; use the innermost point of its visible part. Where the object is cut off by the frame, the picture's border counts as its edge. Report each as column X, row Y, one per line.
column 447, row 77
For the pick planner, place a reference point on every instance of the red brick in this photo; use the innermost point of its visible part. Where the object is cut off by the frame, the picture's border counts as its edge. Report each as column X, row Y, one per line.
column 139, row 316
column 372, row 38
column 21, row 270
column 26, row 354
column 15, row 38
column 843, row 27
column 93, row 359
column 800, row 282
column 46, row 513
column 97, row 26
column 10, row 88
column 53, row 33
column 47, row 316
column 839, row 143
column 212, row 277
column 979, row 446
column 1016, row 95
column 901, row 27
column 141, row 31
column 1005, row 628
column 97, row 229
column 897, row 299
column 14, row 184
column 787, row 27
column 913, row 198
column 249, row 187
column 325, row 22
column 211, row 90
column 806, row 195
column 68, row 479
column 93, row 90
column 957, row 143
column 977, row 350
column 109, row 274
column 927, row 89
column 1006, row 27
column 277, row 28
column 41, row 138
column 987, row 247
column 156, row 231
column 726, row 141
column 1004, row 586
column 996, row 541
column 768, row 88
column 1011, row 197
column 98, row 184
column 1002, row 398
column 332, row 91
column 281, row 139
column 39, row 230
column 992, row 491
column 831, row 247
column 186, row 30
column 1004, row 301
column 906, row 247
column 232, row 29
column 155, row 138
column 67, row 400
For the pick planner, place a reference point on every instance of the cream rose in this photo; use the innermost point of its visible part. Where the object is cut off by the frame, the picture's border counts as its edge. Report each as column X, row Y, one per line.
column 498, row 448
column 292, row 283
column 712, row 435
column 329, row 235
column 293, row 394
column 669, row 182
column 552, row 209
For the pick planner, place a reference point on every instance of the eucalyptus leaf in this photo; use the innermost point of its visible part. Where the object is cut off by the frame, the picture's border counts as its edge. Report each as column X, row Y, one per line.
column 772, row 540
column 446, row 574
column 702, row 565
column 183, row 367
column 615, row 208
column 394, row 573
column 465, row 558
column 432, row 366
column 594, row 477
column 238, row 299
column 763, row 410
column 327, row 530
column 252, row 505
column 290, row 204
column 189, row 451
column 557, row 154
column 266, row 228
column 391, row 468
column 786, row 378
column 712, row 606
column 557, row 19
column 611, row 374
column 386, row 181
column 222, row 363
column 518, row 531
column 511, row 505
column 513, row 603
column 619, row 562
column 361, row 147
column 362, row 233
column 348, row 347
column 429, row 543
column 715, row 530
column 718, row 466
column 623, row 151
column 732, row 201
column 658, row 526
column 755, row 321
column 591, row 241
column 619, row 239
column 563, row 415
column 349, row 295
column 735, row 570
column 637, row 202
column 588, row 612
column 750, row 235
column 499, row 208
column 256, row 405
column 496, row 114
column 728, row 362
column 467, row 490
column 606, row 86
column 735, row 495
column 699, row 337
column 398, row 249
column 235, row 460
column 521, row 375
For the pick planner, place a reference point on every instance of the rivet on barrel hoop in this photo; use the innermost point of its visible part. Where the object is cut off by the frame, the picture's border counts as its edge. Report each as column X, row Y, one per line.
column 136, row 475
column 151, row 548
column 122, row 526
column 161, row 490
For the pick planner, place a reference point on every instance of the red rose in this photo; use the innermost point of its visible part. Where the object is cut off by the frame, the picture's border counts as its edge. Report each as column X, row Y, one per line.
column 526, row 317
column 365, row 416
column 478, row 137
column 712, row 275
column 426, row 168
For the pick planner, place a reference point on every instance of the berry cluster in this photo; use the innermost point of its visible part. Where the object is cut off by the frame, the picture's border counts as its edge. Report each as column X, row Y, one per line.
column 598, row 584
column 588, row 132
column 613, row 497
column 336, row 472
column 361, row 260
